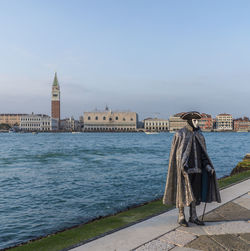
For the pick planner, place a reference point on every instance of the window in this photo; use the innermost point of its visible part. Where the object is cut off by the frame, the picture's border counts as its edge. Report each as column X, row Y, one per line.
column 96, row 118
column 89, row 118
column 131, row 119
column 124, row 119
column 110, row 119
column 104, row 118
column 116, row 118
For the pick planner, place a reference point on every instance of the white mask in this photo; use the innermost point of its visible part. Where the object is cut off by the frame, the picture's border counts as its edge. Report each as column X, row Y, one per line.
column 195, row 123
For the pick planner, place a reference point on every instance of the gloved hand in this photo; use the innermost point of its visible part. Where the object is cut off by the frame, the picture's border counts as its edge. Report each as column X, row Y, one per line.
column 209, row 169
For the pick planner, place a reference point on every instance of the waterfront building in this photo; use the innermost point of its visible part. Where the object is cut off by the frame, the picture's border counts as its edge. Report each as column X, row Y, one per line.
column 55, row 104
column 11, row 119
column 108, row 120
column 242, row 124
column 35, row 122
column 140, row 125
column 155, row 124
column 176, row 122
column 206, row 122
column 70, row 124
column 224, row 122
column 81, row 123
column 214, row 123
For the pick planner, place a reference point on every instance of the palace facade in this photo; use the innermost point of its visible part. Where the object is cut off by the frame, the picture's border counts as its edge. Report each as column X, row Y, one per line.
column 109, row 121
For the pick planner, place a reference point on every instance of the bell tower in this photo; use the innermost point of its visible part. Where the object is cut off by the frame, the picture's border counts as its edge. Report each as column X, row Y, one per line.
column 55, row 103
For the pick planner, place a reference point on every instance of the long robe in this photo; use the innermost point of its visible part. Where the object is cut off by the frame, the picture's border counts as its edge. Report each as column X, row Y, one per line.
column 178, row 190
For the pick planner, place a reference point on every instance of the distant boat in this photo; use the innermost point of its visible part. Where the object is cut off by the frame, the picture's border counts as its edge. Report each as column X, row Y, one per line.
column 75, row 132
column 34, row 132
column 12, row 130
column 151, row 132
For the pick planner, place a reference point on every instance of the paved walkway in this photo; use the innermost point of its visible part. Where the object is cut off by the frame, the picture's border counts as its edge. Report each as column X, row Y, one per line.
column 227, row 228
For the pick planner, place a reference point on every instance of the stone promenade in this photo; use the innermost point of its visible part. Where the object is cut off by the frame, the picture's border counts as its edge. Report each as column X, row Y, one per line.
column 227, row 228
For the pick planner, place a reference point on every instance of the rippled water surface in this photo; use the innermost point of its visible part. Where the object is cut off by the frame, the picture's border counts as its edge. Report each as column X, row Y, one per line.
column 49, row 182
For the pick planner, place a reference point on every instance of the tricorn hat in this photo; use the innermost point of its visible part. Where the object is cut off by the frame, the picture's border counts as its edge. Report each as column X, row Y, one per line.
column 191, row 115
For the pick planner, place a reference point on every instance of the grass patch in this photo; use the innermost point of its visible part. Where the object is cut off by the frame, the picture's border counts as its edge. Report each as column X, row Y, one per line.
column 104, row 225
column 224, row 182
column 90, row 230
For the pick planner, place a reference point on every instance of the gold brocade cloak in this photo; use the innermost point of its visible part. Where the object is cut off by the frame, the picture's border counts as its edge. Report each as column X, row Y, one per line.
column 178, row 190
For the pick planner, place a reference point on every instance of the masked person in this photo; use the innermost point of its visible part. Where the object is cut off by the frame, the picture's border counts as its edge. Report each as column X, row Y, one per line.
column 191, row 177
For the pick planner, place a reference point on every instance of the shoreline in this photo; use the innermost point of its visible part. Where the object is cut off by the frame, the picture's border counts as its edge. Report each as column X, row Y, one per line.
column 224, row 182
column 139, row 131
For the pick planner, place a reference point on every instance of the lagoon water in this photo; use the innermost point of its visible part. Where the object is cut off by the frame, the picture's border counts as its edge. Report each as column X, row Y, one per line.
column 51, row 181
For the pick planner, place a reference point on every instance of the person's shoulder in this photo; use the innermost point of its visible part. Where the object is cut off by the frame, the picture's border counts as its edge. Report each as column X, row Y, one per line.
column 200, row 134
column 181, row 132
column 199, row 131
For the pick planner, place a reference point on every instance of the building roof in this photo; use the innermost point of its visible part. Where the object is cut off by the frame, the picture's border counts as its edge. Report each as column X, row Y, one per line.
column 242, row 119
column 55, row 82
column 12, row 114
column 205, row 115
column 154, row 119
column 224, row 114
column 36, row 115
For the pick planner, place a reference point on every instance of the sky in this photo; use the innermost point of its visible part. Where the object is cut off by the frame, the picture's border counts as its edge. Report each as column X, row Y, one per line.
column 156, row 58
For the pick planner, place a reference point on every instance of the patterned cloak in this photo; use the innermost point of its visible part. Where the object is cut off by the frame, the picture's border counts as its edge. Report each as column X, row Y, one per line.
column 178, row 190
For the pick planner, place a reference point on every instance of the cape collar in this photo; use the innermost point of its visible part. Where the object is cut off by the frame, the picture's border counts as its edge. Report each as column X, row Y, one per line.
column 189, row 127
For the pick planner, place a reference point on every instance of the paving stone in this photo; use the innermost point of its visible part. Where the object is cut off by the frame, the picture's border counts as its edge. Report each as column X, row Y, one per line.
column 245, row 237
column 212, row 216
column 231, row 242
column 184, row 249
column 192, row 229
column 243, row 201
column 178, row 238
column 205, row 243
column 227, row 212
column 233, row 211
column 156, row 245
column 233, row 227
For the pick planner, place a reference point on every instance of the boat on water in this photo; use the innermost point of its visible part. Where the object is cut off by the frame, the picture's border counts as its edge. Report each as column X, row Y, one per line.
column 12, row 130
column 151, row 132
column 34, row 132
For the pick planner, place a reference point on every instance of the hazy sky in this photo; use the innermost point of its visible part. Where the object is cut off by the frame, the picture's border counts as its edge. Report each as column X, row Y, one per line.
column 145, row 56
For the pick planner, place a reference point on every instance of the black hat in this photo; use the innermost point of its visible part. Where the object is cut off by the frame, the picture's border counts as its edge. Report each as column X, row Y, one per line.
column 191, row 115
